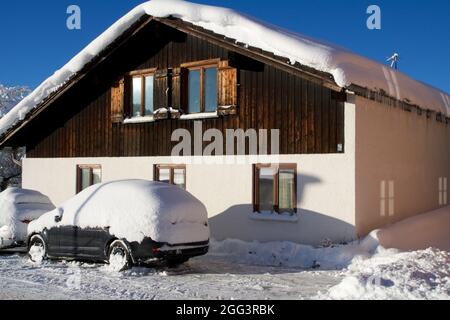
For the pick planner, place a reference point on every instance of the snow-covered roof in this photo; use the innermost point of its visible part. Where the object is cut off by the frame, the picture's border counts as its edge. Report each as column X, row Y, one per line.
column 347, row 68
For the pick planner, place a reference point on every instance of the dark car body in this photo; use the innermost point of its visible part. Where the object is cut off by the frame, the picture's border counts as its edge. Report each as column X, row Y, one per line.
column 92, row 244
column 141, row 221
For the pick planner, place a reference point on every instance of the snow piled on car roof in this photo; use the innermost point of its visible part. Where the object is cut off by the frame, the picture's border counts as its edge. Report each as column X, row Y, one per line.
column 347, row 68
column 133, row 210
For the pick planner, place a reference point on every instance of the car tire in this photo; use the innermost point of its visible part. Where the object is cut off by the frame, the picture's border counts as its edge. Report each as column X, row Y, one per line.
column 37, row 249
column 119, row 258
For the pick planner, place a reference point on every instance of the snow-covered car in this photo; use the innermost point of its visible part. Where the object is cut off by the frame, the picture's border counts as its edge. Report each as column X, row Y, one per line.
column 123, row 223
column 18, row 207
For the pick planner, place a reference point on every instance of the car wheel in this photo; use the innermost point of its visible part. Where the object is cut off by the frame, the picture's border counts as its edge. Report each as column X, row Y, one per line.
column 37, row 250
column 119, row 257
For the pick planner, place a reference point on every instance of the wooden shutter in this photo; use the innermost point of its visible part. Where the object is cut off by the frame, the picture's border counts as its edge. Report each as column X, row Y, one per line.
column 176, row 88
column 179, row 89
column 117, row 101
column 227, row 89
column 161, row 89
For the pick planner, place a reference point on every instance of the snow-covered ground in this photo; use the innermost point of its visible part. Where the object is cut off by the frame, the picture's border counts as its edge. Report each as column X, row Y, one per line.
column 242, row 270
column 202, row 278
column 388, row 274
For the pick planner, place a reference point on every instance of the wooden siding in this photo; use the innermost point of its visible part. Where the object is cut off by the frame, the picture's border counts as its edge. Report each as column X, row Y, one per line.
column 310, row 117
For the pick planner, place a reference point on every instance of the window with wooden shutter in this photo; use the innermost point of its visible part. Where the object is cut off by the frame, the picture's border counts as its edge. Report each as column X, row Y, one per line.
column 227, row 89
column 208, row 86
column 117, row 101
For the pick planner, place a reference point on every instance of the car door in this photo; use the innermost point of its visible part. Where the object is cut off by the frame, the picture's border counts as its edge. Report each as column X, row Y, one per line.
column 92, row 242
column 68, row 241
column 59, row 238
column 61, row 241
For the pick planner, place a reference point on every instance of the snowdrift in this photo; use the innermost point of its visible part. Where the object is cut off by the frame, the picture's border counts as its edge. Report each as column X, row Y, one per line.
column 421, row 270
column 17, row 205
column 429, row 230
column 289, row 254
column 346, row 67
column 373, row 268
column 134, row 209
column 389, row 275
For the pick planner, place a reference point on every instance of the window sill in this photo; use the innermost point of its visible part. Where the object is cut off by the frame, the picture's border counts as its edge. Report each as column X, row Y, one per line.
column 139, row 120
column 273, row 216
column 195, row 116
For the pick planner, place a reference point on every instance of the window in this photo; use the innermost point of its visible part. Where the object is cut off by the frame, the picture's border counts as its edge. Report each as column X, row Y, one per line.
column 88, row 175
column 443, row 191
column 142, row 85
column 387, row 195
column 202, row 82
column 275, row 188
column 172, row 174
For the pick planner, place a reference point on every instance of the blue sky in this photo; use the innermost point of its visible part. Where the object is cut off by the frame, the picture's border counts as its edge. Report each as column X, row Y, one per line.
column 35, row 41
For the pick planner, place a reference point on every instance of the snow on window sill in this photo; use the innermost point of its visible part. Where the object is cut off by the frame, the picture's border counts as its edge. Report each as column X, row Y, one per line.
column 273, row 216
column 139, row 119
column 227, row 107
column 204, row 115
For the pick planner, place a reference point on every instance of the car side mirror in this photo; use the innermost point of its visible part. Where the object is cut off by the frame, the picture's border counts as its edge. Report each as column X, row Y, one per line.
column 59, row 215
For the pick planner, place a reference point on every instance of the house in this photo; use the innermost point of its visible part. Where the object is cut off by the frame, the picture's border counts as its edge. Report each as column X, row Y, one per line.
column 351, row 145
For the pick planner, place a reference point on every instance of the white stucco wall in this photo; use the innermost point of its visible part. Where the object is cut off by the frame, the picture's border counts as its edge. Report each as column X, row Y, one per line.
column 326, row 191
column 400, row 157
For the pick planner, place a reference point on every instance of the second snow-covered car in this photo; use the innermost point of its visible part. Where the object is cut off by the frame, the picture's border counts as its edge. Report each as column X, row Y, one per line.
column 123, row 223
column 18, row 207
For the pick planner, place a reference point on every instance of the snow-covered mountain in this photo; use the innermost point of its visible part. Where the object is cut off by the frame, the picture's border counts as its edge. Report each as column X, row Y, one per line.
column 10, row 96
